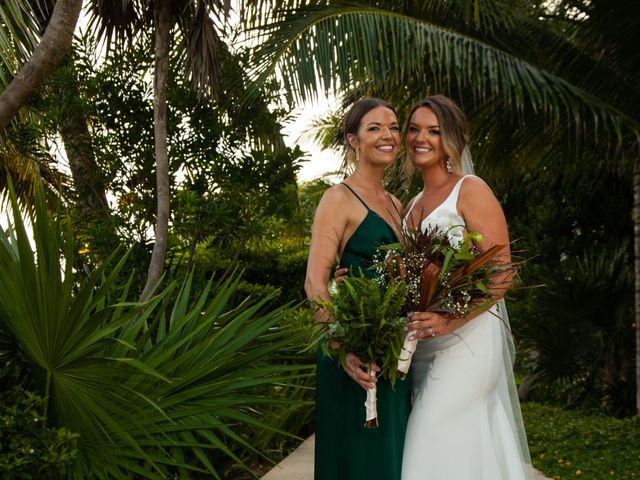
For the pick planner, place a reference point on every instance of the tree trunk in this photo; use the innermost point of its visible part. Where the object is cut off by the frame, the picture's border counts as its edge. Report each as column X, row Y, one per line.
column 162, row 47
column 636, row 231
column 46, row 56
column 87, row 177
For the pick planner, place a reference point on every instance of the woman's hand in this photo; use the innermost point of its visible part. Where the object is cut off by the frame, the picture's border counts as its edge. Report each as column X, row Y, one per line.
column 354, row 369
column 427, row 325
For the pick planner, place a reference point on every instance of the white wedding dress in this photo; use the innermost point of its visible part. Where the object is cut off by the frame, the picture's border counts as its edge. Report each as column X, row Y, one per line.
column 465, row 422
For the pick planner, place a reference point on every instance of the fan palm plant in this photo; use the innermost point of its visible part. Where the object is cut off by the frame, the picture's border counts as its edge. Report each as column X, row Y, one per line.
column 154, row 389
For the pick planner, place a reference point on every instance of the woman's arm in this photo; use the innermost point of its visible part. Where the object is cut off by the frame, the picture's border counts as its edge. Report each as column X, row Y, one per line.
column 330, row 226
column 483, row 214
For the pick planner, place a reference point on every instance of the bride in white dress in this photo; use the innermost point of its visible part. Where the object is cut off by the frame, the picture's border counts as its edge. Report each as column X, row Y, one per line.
column 465, row 422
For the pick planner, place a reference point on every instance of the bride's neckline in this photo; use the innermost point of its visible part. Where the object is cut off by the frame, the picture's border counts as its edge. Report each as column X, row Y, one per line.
column 419, row 196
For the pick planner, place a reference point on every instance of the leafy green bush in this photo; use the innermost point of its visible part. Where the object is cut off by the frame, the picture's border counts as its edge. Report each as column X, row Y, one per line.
column 293, row 409
column 579, row 335
column 572, row 444
column 570, row 219
column 280, row 263
column 28, row 448
column 156, row 389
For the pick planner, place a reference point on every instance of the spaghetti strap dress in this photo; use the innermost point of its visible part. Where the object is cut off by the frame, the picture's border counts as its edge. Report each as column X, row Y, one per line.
column 345, row 449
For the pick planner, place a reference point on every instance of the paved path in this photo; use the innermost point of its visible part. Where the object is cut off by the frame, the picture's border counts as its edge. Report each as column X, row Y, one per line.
column 299, row 465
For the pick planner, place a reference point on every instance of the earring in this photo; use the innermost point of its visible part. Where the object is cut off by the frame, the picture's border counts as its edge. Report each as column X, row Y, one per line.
column 449, row 165
column 357, row 155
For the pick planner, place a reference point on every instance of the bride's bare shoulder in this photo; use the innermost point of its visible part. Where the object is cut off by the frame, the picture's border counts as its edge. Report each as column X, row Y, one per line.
column 475, row 187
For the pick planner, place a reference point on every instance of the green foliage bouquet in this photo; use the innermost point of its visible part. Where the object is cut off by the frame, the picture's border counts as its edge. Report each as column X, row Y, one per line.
column 368, row 321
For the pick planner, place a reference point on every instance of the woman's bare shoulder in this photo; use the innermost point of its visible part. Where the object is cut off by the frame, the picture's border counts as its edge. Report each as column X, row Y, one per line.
column 331, row 207
column 334, row 194
column 475, row 187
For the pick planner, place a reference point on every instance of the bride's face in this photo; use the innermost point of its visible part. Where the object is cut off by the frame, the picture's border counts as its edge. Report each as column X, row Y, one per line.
column 378, row 137
column 424, row 144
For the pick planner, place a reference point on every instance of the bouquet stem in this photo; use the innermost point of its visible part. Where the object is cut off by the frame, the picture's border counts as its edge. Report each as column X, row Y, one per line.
column 404, row 361
column 371, row 405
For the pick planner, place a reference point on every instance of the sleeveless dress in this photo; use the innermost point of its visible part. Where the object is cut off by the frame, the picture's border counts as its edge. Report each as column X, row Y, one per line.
column 464, row 422
column 344, row 448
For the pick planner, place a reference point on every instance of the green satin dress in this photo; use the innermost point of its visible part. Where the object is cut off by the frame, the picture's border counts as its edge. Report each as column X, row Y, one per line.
column 345, row 448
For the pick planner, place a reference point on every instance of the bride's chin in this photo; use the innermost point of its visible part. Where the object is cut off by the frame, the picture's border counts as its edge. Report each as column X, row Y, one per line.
column 420, row 162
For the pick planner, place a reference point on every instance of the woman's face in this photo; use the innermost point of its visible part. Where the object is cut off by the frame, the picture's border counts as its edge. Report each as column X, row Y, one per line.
column 424, row 143
column 378, row 137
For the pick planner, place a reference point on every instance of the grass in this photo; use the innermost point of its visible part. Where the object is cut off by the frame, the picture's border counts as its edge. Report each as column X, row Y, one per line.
column 572, row 444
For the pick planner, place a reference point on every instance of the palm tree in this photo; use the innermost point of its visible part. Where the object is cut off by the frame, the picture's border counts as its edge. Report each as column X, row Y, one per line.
column 120, row 20
column 45, row 58
column 196, row 19
column 504, row 61
column 198, row 22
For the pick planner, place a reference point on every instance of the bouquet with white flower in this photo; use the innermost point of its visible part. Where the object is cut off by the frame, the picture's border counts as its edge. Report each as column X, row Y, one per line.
column 443, row 269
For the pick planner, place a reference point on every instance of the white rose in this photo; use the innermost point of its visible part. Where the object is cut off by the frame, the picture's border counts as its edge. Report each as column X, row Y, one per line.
column 451, row 224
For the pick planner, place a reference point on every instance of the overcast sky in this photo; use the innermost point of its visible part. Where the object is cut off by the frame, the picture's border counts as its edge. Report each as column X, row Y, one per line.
column 319, row 161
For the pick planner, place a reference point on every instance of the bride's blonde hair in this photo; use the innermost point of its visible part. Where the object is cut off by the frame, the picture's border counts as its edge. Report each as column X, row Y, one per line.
column 453, row 129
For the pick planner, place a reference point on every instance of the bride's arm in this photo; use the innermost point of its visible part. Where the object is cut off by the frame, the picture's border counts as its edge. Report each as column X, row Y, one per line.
column 483, row 214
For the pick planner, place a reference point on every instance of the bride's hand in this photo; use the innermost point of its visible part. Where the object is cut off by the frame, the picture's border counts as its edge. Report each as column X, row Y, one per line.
column 340, row 273
column 354, row 369
column 426, row 325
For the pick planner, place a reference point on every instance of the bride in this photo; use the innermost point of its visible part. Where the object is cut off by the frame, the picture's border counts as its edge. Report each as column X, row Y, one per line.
column 465, row 422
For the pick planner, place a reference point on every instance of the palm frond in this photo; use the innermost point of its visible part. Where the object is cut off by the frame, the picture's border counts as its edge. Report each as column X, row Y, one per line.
column 203, row 50
column 117, row 21
column 18, row 37
column 153, row 389
column 349, row 45
column 24, row 160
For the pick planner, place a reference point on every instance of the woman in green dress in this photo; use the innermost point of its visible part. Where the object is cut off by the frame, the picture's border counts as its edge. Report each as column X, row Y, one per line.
column 353, row 219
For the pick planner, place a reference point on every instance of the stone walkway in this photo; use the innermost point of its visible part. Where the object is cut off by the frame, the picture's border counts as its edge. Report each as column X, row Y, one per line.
column 299, row 465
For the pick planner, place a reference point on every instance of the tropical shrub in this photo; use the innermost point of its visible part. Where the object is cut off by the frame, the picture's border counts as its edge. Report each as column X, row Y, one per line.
column 573, row 444
column 29, row 449
column 296, row 415
column 574, row 327
column 580, row 338
column 155, row 389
